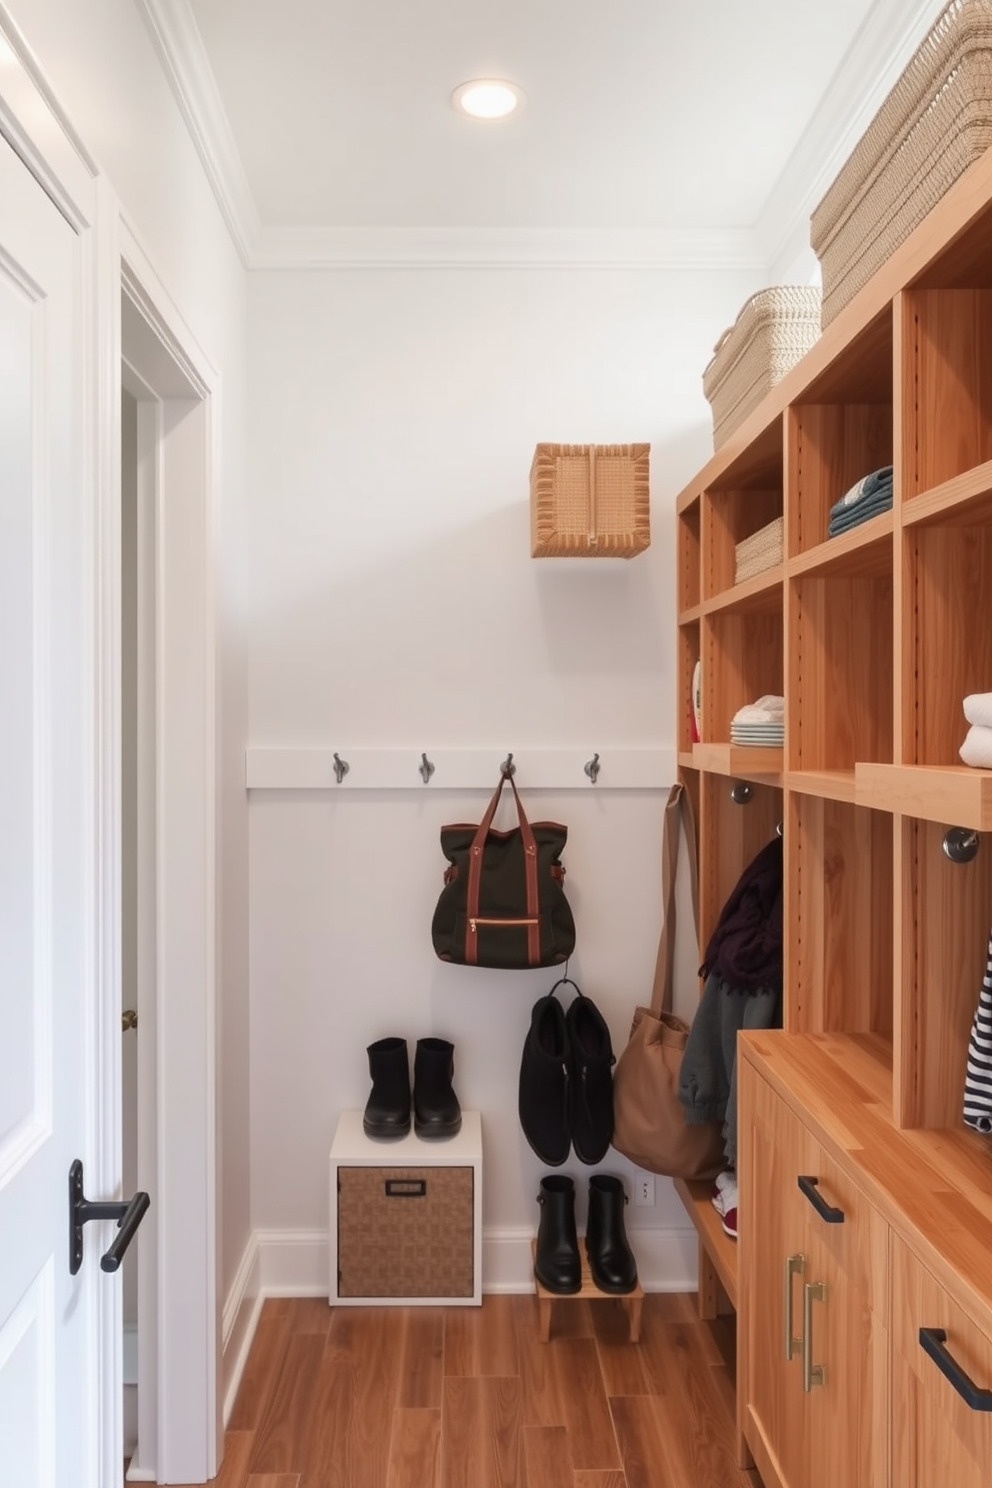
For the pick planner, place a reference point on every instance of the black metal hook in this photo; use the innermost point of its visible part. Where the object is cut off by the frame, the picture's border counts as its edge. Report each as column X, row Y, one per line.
column 81, row 1211
column 508, row 767
column 341, row 767
column 426, row 768
column 592, row 768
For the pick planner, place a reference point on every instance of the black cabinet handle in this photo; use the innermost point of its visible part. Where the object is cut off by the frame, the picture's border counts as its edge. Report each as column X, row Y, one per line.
column 826, row 1211
column 406, row 1188
column 932, row 1342
column 81, row 1211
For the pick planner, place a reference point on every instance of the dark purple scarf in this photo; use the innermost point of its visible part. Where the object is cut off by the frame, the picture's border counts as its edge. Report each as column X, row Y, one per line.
column 745, row 949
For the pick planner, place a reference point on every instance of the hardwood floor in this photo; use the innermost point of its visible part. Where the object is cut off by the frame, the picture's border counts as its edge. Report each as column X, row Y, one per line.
column 470, row 1398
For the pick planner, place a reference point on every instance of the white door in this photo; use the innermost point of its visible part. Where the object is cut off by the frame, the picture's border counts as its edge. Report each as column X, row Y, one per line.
column 48, row 1392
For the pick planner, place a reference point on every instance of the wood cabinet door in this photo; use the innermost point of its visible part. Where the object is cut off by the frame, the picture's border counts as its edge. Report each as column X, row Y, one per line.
column 771, row 1228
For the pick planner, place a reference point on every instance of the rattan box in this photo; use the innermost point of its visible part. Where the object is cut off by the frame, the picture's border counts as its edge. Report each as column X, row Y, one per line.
column 590, row 500
column 405, row 1232
column 934, row 123
column 774, row 329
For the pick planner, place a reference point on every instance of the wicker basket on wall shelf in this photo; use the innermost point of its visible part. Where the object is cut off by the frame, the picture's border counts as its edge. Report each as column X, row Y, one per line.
column 775, row 328
column 934, row 123
column 590, row 500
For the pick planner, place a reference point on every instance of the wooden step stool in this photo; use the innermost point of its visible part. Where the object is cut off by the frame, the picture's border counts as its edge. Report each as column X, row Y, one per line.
column 588, row 1291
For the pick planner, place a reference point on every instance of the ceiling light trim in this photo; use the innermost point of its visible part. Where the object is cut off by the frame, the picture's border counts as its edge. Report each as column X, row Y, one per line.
column 509, row 248
column 179, row 45
column 877, row 55
column 464, row 91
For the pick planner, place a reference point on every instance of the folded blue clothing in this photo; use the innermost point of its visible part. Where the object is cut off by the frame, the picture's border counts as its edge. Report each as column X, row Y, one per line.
column 863, row 512
column 878, row 482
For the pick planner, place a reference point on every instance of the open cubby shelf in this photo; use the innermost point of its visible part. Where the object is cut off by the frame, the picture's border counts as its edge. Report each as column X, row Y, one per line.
column 874, row 638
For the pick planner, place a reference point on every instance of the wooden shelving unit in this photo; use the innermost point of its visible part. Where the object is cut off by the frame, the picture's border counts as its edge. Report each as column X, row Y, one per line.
column 874, row 638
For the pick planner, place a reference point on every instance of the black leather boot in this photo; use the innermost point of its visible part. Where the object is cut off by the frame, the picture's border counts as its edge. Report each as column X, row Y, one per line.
column 544, row 1100
column 436, row 1112
column 387, row 1111
column 592, row 1073
column 557, row 1264
column 611, row 1260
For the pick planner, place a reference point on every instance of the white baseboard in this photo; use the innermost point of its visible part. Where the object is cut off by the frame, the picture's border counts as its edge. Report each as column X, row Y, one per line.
column 241, row 1310
column 294, row 1263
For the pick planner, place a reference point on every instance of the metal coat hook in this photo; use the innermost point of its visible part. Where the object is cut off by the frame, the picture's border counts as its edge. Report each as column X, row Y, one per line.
column 508, row 767
column 426, row 769
column 779, row 829
column 960, row 844
column 741, row 793
column 341, row 767
column 592, row 768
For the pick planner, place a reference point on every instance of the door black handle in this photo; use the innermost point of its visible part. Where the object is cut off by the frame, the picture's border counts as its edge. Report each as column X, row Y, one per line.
column 826, row 1211
column 932, row 1341
column 81, row 1211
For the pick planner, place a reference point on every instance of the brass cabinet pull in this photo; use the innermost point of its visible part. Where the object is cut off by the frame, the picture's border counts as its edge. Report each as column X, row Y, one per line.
column 795, row 1265
column 813, row 1374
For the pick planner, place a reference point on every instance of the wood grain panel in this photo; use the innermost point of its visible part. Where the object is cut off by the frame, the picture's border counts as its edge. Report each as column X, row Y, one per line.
column 620, row 1362
column 273, row 1480
column 261, row 1369
column 833, row 446
column 310, row 1315
column 952, row 655
column 731, row 836
column 840, row 659
column 323, row 1442
column 415, row 1450
column 742, row 660
column 484, row 1340
column 646, row 1446
column 292, row 1403
column 949, row 907
column 940, row 793
column 563, row 1386
column 547, row 1461
column 421, row 1350
column 599, row 1480
column 690, row 588
column 952, row 368
column 481, row 1421
column 730, row 517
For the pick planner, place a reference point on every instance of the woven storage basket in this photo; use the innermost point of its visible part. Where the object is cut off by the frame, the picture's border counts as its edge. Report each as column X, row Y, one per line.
column 774, row 329
column 589, row 500
column 935, row 122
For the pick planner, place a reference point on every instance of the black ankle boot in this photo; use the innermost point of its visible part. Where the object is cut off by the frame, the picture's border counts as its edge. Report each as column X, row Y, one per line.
column 387, row 1112
column 544, row 1100
column 557, row 1265
column 592, row 1073
column 436, row 1112
column 611, row 1260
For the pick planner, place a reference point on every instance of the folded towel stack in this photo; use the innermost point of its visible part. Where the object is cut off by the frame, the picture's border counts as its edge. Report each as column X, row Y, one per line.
column 761, row 551
column 761, row 723
column 977, row 747
column 870, row 496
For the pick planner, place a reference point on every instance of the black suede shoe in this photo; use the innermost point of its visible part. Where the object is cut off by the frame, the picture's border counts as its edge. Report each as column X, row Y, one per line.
column 436, row 1112
column 592, row 1074
column 544, row 1100
column 387, row 1112
column 611, row 1260
column 557, row 1264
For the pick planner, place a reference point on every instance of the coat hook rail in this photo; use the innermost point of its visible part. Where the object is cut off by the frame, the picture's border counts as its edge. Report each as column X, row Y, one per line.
column 592, row 768
column 357, row 768
column 426, row 769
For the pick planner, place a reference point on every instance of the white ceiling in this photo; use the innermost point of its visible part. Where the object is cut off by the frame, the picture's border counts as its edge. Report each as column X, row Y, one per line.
column 641, row 115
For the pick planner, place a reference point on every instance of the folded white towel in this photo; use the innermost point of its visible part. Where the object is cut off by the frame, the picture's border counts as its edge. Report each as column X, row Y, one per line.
column 977, row 747
column 978, row 708
column 766, row 709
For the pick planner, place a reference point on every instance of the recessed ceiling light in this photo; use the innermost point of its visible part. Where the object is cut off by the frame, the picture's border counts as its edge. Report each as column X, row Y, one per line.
column 488, row 98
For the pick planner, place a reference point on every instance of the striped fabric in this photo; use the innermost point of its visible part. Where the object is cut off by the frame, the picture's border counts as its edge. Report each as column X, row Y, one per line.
column 978, row 1079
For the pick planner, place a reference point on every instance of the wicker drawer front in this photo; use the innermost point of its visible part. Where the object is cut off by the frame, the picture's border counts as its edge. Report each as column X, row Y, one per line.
column 405, row 1232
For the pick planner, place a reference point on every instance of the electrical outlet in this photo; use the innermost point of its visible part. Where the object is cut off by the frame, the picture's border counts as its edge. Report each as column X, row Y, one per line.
column 644, row 1188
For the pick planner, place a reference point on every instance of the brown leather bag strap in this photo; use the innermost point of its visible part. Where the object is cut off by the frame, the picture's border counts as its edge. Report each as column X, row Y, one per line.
column 678, row 805
column 530, row 876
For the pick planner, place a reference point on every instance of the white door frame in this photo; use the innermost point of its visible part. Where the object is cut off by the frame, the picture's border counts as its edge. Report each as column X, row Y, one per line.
column 179, row 1398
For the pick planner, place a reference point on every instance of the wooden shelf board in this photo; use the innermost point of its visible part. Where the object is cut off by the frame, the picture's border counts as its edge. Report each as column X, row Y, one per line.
column 836, row 785
column 954, row 794
column 963, row 501
column 736, row 760
column 691, row 616
column 721, row 1250
column 686, row 760
column 760, row 595
column 865, row 550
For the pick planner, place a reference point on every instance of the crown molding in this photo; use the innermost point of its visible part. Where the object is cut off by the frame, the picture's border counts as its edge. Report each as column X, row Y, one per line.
column 177, row 40
column 888, row 38
column 508, row 248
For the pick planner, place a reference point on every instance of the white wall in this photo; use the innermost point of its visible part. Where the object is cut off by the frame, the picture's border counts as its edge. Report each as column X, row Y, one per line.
column 393, row 416
column 98, row 58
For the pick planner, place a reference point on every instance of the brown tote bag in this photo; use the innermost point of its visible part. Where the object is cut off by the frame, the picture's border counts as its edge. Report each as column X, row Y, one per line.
column 649, row 1124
